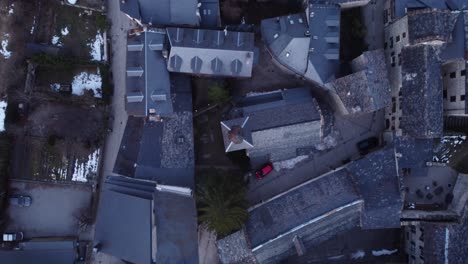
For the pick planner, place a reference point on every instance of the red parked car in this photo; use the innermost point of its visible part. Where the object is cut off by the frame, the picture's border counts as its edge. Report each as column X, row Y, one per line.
column 261, row 173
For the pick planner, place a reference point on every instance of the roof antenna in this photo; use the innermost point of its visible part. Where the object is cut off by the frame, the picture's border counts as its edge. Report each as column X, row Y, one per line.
column 225, row 31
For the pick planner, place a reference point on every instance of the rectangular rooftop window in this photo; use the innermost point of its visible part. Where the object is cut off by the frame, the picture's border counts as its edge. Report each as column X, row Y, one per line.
column 453, row 98
column 462, row 97
column 398, row 38
column 463, row 72
column 453, row 75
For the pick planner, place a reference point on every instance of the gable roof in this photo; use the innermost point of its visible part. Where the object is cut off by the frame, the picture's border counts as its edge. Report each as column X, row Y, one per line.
column 422, row 106
column 310, row 50
column 162, row 12
column 147, row 80
column 376, row 178
column 210, row 52
column 431, row 24
column 274, row 124
column 367, row 90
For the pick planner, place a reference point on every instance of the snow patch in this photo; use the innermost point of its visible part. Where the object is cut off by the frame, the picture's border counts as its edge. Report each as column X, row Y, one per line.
column 288, row 164
column 64, row 31
column 410, row 76
column 86, row 169
column 55, row 87
column 384, row 252
column 87, row 81
column 3, row 106
column 4, row 51
column 250, row 94
column 33, row 25
column 358, row 254
column 11, row 11
column 95, row 45
column 328, row 142
column 56, row 41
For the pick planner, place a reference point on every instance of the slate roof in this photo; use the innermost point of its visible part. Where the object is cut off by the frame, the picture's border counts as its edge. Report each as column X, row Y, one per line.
column 210, row 52
column 275, row 124
column 124, row 221
column 367, row 90
column 377, row 180
column 140, row 224
column 147, row 81
column 446, row 242
column 161, row 151
column 422, row 105
column 431, row 24
column 162, row 12
column 309, row 46
column 41, row 252
column 414, row 152
column 401, row 7
column 176, row 223
column 299, row 205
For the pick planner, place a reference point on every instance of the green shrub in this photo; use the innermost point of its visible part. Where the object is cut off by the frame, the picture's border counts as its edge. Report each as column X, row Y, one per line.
column 217, row 94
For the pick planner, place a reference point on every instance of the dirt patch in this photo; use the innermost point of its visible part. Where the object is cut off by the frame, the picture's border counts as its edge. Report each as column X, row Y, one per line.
column 76, row 123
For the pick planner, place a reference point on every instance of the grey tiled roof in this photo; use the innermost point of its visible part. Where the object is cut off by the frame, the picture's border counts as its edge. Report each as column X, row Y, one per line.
column 147, row 82
column 431, row 24
column 312, row 50
column 446, row 242
column 162, row 12
column 377, row 180
column 422, row 109
column 414, row 152
column 299, row 205
column 278, row 123
column 210, row 52
column 367, row 90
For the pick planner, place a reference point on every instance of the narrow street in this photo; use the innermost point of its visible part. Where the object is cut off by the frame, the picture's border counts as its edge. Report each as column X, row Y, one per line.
column 117, row 34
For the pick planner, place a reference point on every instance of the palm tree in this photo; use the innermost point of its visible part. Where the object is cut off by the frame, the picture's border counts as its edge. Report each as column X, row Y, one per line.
column 221, row 205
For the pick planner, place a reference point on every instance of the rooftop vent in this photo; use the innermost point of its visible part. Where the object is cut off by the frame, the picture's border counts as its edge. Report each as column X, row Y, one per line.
column 196, row 64
column 159, row 96
column 134, row 71
column 198, row 36
column 135, row 97
column 175, row 62
column 179, row 36
column 235, row 135
column 216, row 65
column 218, row 38
column 135, row 47
column 236, row 66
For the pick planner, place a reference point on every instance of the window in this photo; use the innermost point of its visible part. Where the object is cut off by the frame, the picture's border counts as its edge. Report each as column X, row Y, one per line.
column 385, row 45
column 453, row 98
column 391, row 42
column 462, row 97
column 399, row 58
column 404, row 34
column 453, row 75
column 463, row 72
column 398, row 38
column 445, row 94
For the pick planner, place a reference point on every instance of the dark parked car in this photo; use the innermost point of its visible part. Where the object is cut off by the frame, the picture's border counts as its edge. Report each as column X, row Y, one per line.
column 267, row 168
column 367, row 145
column 20, row 200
